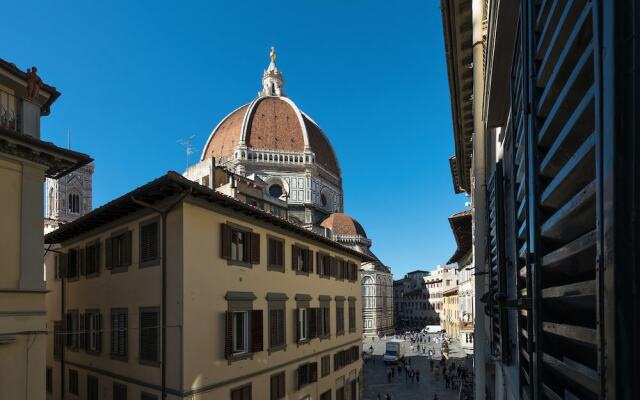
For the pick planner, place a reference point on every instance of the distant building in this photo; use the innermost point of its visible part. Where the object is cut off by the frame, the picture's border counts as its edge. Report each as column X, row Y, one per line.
column 411, row 305
column 449, row 317
column 443, row 278
column 25, row 162
column 461, row 228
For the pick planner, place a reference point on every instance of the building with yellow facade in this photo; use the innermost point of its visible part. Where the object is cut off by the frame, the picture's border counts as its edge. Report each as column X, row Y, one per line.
column 177, row 291
column 449, row 318
column 25, row 161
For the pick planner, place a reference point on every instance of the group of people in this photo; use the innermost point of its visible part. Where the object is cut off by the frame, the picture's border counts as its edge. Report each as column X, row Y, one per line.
column 453, row 375
column 410, row 374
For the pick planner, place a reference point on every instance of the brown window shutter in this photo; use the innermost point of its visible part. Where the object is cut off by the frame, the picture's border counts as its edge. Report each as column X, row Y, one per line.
column 63, row 265
column 294, row 257
column 256, row 331
column 108, row 251
column 318, row 262
column 255, row 248
column 225, row 241
column 83, row 327
column 228, row 336
column 334, row 267
column 82, row 262
column 126, row 253
column 96, row 256
column 296, row 321
column 309, row 261
column 312, row 322
column 99, row 335
column 273, row 327
column 313, row 372
column 281, row 387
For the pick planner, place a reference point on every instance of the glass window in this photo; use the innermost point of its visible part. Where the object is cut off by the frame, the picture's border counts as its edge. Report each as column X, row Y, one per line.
column 302, row 323
column 238, row 242
column 275, row 190
column 240, row 337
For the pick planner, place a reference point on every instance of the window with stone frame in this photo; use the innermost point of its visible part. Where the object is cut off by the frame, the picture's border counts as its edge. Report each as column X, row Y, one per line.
column 118, row 250
column 149, row 243
column 239, row 245
column 277, row 323
column 325, row 365
column 324, row 317
column 301, row 259
column 242, row 393
column 306, row 374
column 92, row 258
column 149, row 351
column 278, row 387
column 275, row 253
column 73, row 382
column 243, row 326
column 352, row 315
column 323, row 264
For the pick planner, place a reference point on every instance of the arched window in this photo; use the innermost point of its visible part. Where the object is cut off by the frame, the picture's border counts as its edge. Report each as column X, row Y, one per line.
column 51, row 199
column 74, row 203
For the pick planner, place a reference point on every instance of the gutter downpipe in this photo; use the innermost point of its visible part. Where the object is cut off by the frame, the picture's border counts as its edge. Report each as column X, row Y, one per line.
column 479, row 192
column 163, row 216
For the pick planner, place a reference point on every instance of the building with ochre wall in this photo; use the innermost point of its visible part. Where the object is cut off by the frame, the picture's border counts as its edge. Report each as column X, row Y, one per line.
column 175, row 289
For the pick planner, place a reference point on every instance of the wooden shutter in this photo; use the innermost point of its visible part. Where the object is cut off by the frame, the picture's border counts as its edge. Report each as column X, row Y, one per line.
column 83, row 330
column 96, row 257
column 313, row 372
column 257, row 342
column 309, row 261
column 497, row 266
column 108, row 252
column 255, row 248
column 296, row 320
column 82, row 261
column 126, row 250
column 63, row 265
column 228, row 334
column 149, row 335
column 295, row 251
column 58, row 339
column 98, row 318
column 312, row 322
column 319, row 258
column 334, row 267
column 225, row 241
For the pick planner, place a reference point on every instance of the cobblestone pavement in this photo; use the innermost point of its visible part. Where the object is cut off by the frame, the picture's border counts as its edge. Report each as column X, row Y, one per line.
column 401, row 388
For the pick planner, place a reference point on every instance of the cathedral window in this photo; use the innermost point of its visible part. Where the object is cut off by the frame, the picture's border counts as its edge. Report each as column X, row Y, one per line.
column 74, row 203
column 323, row 200
column 275, row 191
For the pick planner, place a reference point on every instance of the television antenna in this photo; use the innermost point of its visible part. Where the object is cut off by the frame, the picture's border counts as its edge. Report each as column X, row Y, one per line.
column 188, row 147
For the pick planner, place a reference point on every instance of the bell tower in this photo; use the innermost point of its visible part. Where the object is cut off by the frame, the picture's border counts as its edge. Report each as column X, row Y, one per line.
column 68, row 198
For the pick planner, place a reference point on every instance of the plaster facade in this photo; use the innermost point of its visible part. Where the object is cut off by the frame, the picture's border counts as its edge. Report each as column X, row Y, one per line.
column 200, row 291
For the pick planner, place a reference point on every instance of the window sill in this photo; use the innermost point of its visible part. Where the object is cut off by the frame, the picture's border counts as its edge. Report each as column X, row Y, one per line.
column 148, row 263
column 239, row 357
column 117, row 270
column 119, row 357
column 303, row 342
column 341, row 333
column 325, row 276
column 302, row 273
column 352, row 330
column 237, row 263
column 149, row 363
column 275, row 268
column 277, row 348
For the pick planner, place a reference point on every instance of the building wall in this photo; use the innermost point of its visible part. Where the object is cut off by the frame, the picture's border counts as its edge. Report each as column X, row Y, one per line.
column 205, row 367
column 22, row 317
column 377, row 302
column 198, row 279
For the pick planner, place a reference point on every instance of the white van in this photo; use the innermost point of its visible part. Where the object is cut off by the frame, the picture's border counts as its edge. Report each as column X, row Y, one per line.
column 395, row 351
column 432, row 329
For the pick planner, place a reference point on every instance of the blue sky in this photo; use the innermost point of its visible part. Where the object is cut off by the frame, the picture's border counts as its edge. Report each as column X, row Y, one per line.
column 137, row 76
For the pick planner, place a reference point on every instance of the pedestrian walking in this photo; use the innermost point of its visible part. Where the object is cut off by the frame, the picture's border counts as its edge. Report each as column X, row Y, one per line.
column 393, row 372
column 418, row 376
column 388, row 376
column 413, row 376
column 431, row 364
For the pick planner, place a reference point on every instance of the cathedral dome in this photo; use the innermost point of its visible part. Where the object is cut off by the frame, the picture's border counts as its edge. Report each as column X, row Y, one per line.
column 272, row 129
column 343, row 225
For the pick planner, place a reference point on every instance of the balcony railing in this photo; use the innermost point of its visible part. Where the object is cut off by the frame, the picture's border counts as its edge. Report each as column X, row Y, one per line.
column 9, row 111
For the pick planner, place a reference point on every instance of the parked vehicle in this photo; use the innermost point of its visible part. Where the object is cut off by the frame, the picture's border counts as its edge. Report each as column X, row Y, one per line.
column 395, row 351
column 432, row 329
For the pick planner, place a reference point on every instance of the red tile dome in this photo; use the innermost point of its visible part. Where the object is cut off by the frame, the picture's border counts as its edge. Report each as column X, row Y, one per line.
column 271, row 123
column 342, row 224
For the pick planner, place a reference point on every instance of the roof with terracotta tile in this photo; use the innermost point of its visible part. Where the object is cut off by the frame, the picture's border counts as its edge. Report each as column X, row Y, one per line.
column 271, row 123
column 342, row 224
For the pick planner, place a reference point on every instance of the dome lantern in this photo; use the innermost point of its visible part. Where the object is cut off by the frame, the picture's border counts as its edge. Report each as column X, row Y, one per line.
column 272, row 79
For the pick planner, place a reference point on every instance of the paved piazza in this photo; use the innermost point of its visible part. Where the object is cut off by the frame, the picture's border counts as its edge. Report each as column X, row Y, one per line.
column 401, row 388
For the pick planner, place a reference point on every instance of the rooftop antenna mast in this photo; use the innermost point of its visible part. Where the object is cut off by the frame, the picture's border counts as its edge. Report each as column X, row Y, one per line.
column 188, row 147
